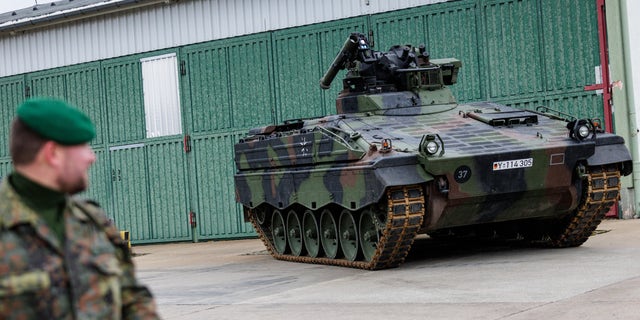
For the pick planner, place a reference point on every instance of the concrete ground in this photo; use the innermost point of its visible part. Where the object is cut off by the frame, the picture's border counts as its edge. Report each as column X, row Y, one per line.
column 238, row 280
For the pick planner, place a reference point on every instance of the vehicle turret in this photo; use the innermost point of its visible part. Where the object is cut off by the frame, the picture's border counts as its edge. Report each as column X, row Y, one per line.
column 404, row 76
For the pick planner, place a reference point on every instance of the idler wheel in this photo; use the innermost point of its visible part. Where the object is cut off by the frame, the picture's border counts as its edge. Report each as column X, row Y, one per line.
column 278, row 232
column 349, row 235
column 311, row 234
column 261, row 216
column 329, row 234
column 294, row 233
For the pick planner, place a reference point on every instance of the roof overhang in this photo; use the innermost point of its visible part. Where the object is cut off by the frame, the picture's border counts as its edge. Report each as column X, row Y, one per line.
column 66, row 14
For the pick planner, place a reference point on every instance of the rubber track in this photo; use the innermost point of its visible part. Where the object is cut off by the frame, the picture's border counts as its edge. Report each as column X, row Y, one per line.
column 405, row 212
column 602, row 191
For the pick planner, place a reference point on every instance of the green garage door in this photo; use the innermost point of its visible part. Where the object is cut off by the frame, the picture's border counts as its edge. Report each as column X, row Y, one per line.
column 518, row 52
column 523, row 53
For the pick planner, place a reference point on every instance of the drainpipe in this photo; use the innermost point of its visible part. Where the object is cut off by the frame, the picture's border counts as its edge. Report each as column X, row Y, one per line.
column 612, row 66
column 631, row 68
column 632, row 48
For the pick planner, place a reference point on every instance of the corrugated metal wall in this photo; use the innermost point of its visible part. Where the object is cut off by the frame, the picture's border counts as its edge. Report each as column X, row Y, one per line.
column 229, row 85
column 553, row 60
column 167, row 189
column 149, row 191
column 302, row 56
column 81, row 86
column 451, row 30
column 182, row 23
column 516, row 60
column 130, row 190
column 513, row 51
column 11, row 94
column 100, row 181
column 212, row 170
column 123, row 95
column 521, row 53
column 209, row 99
column 228, row 80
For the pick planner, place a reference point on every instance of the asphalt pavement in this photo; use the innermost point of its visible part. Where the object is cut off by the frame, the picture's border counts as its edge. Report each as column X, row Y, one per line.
column 239, row 280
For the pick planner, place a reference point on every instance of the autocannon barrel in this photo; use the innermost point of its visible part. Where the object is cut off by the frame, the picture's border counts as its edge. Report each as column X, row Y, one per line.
column 346, row 55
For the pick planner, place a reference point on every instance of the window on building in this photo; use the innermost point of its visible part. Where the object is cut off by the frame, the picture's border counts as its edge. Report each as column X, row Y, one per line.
column 161, row 95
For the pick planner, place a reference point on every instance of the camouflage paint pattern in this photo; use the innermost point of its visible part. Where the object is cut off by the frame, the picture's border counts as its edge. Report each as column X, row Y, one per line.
column 314, row 169
column 494, row 163
column 340, row 164
column 90, row 276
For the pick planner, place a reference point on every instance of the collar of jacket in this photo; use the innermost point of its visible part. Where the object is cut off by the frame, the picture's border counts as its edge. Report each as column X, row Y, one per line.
column 14, row 212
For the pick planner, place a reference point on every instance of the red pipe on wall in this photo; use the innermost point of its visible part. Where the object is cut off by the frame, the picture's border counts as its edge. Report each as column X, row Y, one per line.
column 605, row 85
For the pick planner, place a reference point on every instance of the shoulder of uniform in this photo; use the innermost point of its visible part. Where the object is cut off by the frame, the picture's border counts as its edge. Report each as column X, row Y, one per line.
column 93, row 210
column 4, row 201
column 86, row 202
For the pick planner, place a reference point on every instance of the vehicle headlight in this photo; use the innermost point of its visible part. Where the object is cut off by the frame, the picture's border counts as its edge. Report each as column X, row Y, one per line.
column 429, row 146
column 583, row 131
column 432, row 147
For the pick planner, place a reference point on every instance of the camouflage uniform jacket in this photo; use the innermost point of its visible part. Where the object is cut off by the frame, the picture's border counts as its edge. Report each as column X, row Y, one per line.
column 90, row 276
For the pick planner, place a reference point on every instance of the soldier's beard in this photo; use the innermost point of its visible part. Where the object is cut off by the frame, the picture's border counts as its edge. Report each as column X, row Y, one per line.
column 71, row 171
column 72, row 185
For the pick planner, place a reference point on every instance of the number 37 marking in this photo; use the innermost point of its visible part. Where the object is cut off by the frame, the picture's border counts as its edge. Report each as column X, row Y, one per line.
column 462, row 174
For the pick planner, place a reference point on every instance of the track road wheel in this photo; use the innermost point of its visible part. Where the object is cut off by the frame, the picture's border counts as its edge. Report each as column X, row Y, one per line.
column 369, row 233
column 329, row 234
column 349, row 235
column 294, row 233
column 311, row 234
column 278, row 232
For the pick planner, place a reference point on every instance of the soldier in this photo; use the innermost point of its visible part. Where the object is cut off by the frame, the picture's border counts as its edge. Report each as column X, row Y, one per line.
column 60, row 257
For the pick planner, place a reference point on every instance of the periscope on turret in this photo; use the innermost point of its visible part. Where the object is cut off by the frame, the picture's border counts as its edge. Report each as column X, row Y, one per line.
column 402, row 157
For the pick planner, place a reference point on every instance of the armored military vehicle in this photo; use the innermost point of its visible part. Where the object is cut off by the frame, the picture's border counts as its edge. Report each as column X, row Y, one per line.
column 401, row 157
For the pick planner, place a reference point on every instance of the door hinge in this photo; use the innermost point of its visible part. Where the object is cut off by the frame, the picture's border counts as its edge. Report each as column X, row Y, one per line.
column 116, row 175
column 183, row 68
column 186, row 143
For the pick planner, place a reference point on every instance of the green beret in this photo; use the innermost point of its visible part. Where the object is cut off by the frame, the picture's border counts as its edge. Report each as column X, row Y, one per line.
column 56, row 120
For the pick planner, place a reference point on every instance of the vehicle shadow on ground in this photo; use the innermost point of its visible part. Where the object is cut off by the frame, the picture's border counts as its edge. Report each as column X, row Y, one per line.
column 425, row 249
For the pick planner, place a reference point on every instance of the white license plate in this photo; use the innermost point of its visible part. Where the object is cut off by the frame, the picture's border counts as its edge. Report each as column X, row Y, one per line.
column 513, row 164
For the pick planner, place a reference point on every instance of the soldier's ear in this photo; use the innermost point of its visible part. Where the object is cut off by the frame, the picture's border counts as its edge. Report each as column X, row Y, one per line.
column 51, row 154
